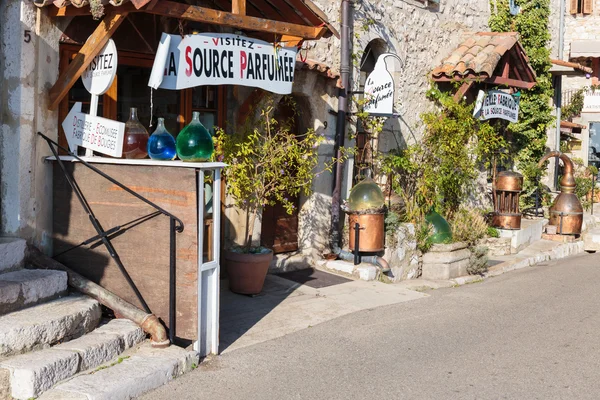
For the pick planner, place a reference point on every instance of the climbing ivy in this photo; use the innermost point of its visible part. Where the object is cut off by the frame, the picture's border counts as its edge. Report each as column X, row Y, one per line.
column 529, row 134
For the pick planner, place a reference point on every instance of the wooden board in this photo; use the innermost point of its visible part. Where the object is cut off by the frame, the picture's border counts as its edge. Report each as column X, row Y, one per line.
column 144, row 249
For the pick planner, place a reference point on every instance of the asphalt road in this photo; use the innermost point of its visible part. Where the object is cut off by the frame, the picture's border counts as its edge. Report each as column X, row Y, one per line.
column 528, row 334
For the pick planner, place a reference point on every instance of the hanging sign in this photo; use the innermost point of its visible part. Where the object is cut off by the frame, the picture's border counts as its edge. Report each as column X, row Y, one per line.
column 591, row 101
column 101, row 72
column 380, row 88
column 95, row 133
column 496, row 104
column 222, row 59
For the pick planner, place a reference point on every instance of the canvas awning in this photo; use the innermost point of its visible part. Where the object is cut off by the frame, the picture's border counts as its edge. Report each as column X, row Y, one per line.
column 585, row 48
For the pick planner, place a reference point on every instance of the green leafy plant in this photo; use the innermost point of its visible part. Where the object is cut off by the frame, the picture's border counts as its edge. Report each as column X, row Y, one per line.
column 468, row 225
column 268, row 164
column 574, row 108
column 478, row 262
column 535, row 112
column 583, row 180
column 423, row 232
column 492, row 232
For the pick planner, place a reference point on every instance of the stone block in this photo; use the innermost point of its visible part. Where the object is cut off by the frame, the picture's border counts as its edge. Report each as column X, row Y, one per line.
column 445, row 271
column 145, row 370
column 12, row 253
column 131, row 333
column 366, row 273
column 447, row 257
column 591, row 240
column 342, row 266
column 46, row 324
column 443, row 248
column 33, row 373
column 94, row 349
column 31, row 286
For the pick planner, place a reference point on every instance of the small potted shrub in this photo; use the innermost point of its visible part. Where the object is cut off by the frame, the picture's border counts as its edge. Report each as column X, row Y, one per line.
column 267, row 164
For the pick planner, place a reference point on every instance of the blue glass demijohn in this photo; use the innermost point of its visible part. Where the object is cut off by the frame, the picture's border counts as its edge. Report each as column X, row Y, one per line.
column 161, row 145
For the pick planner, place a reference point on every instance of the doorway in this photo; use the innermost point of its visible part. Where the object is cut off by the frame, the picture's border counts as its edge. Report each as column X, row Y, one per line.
column 594, row 145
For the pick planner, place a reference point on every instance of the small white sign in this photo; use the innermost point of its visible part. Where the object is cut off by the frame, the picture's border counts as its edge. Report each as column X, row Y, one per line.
column 222, row 59
column 496, row 104
column 95, row 133
column 380, row 89
column 591, row 101
column 101, row 72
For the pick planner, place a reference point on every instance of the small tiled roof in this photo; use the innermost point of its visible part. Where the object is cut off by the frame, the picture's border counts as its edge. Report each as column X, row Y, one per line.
column 478, row 55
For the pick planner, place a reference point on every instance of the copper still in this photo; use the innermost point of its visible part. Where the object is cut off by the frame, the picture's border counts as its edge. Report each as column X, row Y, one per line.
column 566, row 213
column 371, row 231
column 507, row 189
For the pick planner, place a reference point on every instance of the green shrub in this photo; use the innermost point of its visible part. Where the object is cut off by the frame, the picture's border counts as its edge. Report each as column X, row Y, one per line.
column 468, row 225
column 478, row 262
column 493, row 232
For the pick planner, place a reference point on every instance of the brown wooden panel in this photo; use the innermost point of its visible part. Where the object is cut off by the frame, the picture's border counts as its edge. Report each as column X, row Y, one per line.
column 588, row 6
column 144, row 249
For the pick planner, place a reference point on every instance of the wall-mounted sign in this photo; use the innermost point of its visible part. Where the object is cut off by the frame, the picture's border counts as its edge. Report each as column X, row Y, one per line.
column 95, row 133
column 222, row 59
column 591, row 101
column 101, row 72
column 380, row 88
column 496, row 104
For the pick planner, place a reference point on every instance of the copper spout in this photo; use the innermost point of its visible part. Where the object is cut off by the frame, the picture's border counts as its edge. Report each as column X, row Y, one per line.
column 567, row 182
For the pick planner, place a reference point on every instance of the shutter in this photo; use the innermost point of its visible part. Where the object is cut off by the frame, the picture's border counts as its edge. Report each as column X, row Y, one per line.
column 573, row 7
column 587, row 6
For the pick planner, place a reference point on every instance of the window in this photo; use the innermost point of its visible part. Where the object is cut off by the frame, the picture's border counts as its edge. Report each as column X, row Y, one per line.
column 581, row 6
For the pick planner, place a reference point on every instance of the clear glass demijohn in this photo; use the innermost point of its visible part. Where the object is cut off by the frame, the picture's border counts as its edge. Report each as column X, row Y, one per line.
column 135, row 140
column 161, row 145
column 194, row 142
column 366, row 195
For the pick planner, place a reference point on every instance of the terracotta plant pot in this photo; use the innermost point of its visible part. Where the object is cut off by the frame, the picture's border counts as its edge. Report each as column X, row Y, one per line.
column 246, row 271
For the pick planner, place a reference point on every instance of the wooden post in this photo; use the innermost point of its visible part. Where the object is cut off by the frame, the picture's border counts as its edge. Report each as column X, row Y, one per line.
column 238, row 7
column 90, row 49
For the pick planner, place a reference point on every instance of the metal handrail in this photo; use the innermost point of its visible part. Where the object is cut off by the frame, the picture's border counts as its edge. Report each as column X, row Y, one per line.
column 176, row 226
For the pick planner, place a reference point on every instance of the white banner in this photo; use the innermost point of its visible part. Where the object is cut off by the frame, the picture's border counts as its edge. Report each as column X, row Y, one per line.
column 496, row 104
column 380, row 88
column 95, row 133
column 222, row 59
column 591, row 101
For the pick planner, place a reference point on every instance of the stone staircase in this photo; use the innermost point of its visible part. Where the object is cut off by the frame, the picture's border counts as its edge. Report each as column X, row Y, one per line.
column 55, row 345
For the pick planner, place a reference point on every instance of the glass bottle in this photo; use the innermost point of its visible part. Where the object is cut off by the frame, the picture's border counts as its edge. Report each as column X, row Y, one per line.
column 441, row 231
column 194, row 142
column 135, row 142
column 366, row 195
column 161, row 145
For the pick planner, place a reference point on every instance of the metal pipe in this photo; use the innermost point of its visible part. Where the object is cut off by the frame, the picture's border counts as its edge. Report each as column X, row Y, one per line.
column 148, row 322
column 172, row 282
column 567, row 182
column 558, row 84
column 356, row 243
column 341, row 123
column 379, row 262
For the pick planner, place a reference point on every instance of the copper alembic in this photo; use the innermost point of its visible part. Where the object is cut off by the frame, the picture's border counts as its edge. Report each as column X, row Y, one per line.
column 566, row 213
column 507, row 189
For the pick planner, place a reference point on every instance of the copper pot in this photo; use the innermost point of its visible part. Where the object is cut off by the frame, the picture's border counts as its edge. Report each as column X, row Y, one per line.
column 371, row 232
column 566, row 213
column 508, row 187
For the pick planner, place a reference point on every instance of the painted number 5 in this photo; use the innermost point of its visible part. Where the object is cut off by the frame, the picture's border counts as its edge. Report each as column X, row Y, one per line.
column 27, row 36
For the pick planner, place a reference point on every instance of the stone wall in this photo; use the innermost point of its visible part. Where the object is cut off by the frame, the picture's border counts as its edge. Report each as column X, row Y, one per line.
column 29, row 67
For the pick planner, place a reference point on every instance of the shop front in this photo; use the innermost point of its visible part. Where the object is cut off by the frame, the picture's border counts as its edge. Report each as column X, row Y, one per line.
column 149, row 230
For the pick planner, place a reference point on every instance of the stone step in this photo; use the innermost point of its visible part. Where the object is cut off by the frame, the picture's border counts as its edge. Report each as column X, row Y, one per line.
column 591, row 240
column 47, row 324
column 133, row 374
column 12, row 253
column 29, row 375
column 27, row 287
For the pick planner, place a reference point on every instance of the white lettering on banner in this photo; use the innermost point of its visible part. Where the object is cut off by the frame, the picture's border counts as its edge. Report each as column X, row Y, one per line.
column 217, row 59
column 496, row 104
column 379, row 89
column 95, row 133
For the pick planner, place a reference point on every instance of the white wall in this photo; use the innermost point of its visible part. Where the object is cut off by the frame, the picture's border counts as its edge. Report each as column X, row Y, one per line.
column 28, row 71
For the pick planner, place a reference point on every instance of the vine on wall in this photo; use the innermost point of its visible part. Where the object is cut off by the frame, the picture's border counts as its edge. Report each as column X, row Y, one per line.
column 535, row 116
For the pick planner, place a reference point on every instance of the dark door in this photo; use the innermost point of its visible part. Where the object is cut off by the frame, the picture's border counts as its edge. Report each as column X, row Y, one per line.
column 279, row 229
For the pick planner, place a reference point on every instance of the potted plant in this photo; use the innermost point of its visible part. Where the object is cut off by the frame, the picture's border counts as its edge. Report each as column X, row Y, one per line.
column 267, row 164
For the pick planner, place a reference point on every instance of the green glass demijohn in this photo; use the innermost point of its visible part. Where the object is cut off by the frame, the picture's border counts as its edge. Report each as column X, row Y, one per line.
column 441, row 228
column 194, row 142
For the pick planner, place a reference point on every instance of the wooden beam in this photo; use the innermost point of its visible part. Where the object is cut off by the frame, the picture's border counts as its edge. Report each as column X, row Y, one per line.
column 291, row 41
column 207, row 15
column 463, row 90
column 498, row 80
column 88, row 51
column 238, row 7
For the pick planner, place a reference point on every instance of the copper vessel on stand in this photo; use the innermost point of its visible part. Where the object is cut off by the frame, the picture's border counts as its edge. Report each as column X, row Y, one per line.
column 566, row 213
column 507, row 189
column 371, row 231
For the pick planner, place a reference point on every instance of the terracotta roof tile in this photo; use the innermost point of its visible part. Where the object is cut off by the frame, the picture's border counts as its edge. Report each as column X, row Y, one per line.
column 478, row 55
